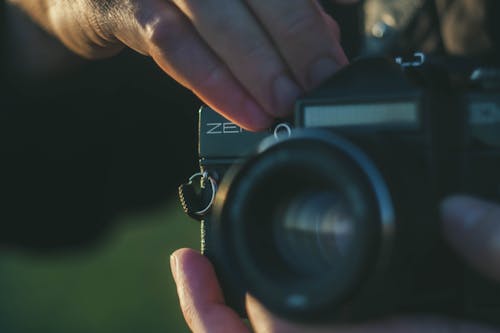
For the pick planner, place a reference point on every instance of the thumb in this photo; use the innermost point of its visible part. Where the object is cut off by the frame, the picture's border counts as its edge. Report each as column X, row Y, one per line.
column 472, row 227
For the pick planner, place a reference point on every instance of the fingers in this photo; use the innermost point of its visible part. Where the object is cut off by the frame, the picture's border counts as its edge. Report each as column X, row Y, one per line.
column 204, row 309
column 237, row 38
column 200, row 296
column 472, row 227
column 179, row 51
column 247, row 59
column 307, row 44
column 250, row 64
column 263, row 321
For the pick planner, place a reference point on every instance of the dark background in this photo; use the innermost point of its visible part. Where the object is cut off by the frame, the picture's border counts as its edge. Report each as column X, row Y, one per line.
column 112, row 136
column 90, row 160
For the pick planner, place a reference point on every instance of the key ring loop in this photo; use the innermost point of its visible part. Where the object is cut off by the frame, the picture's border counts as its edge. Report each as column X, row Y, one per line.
column 213, row 188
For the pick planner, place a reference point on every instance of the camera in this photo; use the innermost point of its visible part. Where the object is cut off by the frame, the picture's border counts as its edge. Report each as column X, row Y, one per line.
column 334, row 215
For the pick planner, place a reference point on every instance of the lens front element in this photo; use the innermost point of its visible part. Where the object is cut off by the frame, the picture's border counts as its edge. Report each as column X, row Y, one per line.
column 314, row 231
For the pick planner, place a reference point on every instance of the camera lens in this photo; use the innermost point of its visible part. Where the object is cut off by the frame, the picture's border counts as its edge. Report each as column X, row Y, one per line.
column 303, row 222
column 314, row 231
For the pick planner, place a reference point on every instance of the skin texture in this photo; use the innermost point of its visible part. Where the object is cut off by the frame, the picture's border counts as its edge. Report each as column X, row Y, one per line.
column 247, row 59
column 470, row 225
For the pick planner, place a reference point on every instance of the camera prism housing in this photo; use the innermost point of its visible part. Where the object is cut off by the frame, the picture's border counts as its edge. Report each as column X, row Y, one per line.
column 334, row 215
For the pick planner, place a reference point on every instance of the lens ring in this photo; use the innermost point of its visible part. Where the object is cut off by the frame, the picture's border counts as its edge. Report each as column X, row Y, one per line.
column 338, row 164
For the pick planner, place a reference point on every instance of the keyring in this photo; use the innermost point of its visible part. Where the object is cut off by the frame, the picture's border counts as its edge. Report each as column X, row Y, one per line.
column 213, row 187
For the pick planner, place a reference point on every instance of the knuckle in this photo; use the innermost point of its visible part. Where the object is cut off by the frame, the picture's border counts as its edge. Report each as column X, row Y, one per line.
column 104, row 17
column 165, row 31
column 83, row 29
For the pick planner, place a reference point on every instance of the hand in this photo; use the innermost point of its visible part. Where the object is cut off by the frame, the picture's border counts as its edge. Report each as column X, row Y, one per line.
column 471, row 226
column 247, row 59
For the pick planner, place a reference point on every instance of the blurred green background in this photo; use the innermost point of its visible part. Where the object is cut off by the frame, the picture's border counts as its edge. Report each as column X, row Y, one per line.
column 90, row 155
column 121, row 284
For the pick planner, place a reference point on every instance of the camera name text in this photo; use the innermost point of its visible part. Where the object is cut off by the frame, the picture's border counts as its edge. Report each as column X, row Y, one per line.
column 223, row 128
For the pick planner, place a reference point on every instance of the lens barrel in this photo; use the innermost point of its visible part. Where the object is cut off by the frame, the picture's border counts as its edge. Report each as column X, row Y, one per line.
column 305, row 223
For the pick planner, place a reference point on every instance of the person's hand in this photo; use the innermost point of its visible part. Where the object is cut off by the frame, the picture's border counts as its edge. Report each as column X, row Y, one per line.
column 247, row 59
column 471, row 226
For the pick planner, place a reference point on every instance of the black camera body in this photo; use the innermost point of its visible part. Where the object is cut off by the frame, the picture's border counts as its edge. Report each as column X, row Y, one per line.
column 333, row 216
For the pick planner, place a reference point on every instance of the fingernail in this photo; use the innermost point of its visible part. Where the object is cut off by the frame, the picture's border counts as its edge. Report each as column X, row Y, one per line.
column 285, row 93
column 173, row 266
column 463, row 212
column 321, row 70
